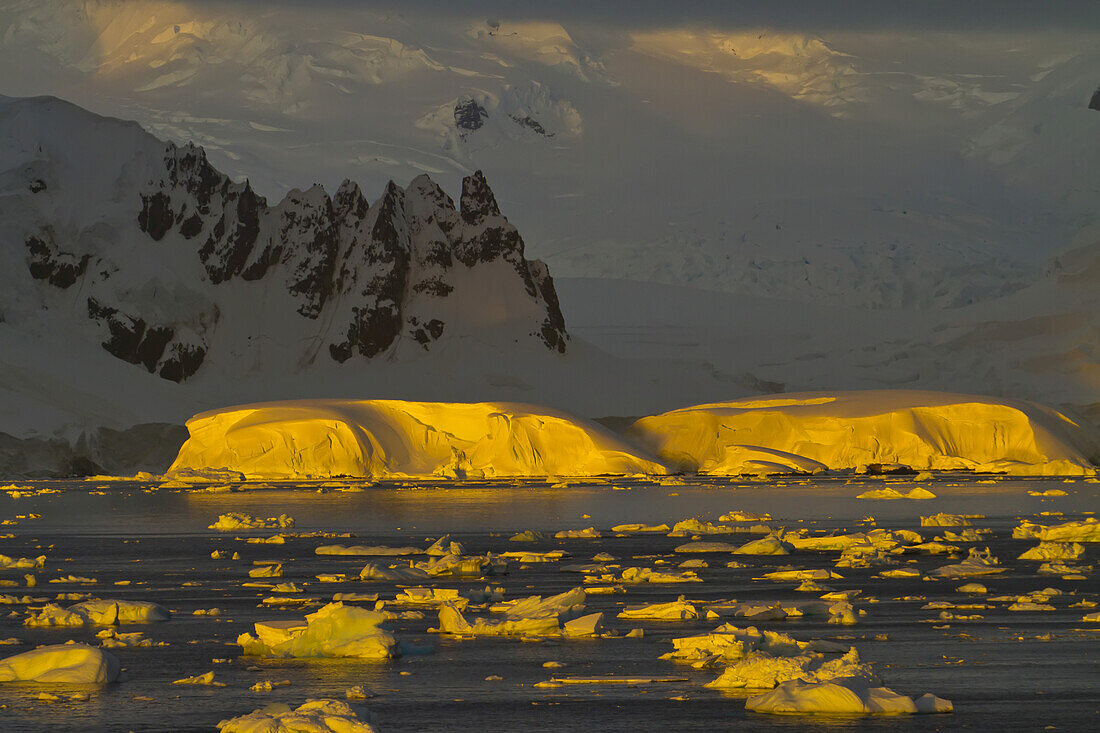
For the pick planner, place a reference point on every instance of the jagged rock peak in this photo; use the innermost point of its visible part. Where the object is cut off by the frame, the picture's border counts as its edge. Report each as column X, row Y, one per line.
column 478, row 202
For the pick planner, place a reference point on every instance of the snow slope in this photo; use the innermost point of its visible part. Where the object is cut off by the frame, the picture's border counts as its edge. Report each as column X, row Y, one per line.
column 876, row 167
column 812, row 431
column 397, row 439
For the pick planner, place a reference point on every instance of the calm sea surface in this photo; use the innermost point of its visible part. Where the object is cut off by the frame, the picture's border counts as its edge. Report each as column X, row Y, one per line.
column 1008, row 671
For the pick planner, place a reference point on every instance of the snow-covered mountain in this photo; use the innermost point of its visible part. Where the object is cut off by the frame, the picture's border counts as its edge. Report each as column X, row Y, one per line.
column 169, row 263
column 845, row 163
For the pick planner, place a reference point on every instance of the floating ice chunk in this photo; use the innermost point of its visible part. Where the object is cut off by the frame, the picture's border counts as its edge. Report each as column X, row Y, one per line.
column 444, row 546
column 534, row 557
column 728, row 643
column 589, row 625
column 314, row 716
column 784, row 576
column 358, row 692
column 589, row 533
column 760, row 670
column 99, row 613
column 431, row 597
column 949, row 520
column 742, row 516
column 200, row 679
column 680, row 610
column 74, row 579
column 355, row 597
column 400, row 573
column 640, row 528
column 1030, row 606
column 645, row 575
column 1092, row 617
column 969, row 534
column 693, row 526
column 978, row 562
column 360, row 550
column 771, row 545
column 976, row 588
column 236, row 521
column 890, row 493
column 463, row 566
column 1048, row 492
column 900, row 573
column 275, row 539
column 335, row 630
column 528, row 536
column 1087, row 530
column 563, row 605
column 273, row 570
column 111, row 639
column 20, row 563
column 451, row 621
column 849, row 696
column 1046, row 551
column 268, row 685
column 74, row 664
column 706, row 547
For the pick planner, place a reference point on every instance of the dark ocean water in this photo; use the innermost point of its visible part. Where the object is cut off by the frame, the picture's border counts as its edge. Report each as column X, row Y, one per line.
column 1009, row 671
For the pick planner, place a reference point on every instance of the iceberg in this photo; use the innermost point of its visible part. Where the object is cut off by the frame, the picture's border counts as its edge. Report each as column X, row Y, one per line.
column 66, row 664
column 313, row 716
column 335, row 630
column 98, row 613
column 761, row 670
column 1087, row 530
column 815, row 431
column 400, row 439
column 850, row 696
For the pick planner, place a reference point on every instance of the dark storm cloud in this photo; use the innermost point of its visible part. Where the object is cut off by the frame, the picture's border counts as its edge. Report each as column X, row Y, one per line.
column 794, row 14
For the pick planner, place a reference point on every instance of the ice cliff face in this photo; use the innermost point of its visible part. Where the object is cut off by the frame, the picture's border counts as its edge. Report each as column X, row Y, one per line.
column 163, row 258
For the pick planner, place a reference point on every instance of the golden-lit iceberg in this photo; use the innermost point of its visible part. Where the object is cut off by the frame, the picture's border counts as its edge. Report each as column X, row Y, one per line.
column 399, row 439
column 813, row 431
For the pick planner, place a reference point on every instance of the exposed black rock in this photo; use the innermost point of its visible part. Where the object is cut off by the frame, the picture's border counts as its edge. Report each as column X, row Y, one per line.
column 156, row 217
column 46, row 262
column 1094, row 103
column 532, row 124
column 469, row 115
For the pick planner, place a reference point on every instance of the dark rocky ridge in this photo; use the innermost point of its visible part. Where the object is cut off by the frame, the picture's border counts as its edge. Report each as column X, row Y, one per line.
column 359, row 265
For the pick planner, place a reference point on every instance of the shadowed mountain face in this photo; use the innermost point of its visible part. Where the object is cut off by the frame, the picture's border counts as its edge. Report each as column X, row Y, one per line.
column 166, row 256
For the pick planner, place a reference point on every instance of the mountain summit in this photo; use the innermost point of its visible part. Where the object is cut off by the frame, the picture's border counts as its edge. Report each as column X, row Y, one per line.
column 166, row 261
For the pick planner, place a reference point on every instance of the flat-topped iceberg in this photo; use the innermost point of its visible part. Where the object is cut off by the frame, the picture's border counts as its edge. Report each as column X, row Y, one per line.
column 813, row 431
column 395, row 438
column 68, row 664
